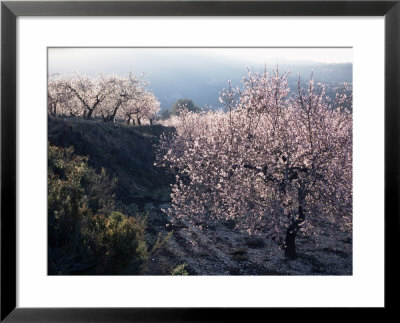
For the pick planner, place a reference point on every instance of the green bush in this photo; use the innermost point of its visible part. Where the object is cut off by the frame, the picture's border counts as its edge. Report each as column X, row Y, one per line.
column 184, row 104
column 180, row 270
column 86, row 234
column 117, row 242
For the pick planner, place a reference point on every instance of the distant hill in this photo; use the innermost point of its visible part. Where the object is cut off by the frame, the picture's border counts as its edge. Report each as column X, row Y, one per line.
column 203, row 83
column 124, row 151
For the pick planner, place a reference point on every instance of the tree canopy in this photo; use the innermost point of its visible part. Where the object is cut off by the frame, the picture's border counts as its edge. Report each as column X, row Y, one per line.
column 185, row 103
column 275, row 162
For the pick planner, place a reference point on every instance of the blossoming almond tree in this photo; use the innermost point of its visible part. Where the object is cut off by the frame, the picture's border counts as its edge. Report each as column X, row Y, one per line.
column 90, row 93
column 107, row 96
column 151, row 106
column 275, row 163
column 144, row 105
column 60, row 100
column 122, row 91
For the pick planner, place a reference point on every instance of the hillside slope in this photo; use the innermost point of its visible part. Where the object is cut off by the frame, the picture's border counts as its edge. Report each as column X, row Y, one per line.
column 127, row 152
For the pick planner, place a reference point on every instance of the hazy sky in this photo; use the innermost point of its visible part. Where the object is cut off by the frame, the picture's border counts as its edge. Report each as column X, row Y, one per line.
column 122, row 60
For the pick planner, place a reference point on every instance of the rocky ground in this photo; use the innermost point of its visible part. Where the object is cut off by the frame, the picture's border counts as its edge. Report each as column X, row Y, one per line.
column 222, row 250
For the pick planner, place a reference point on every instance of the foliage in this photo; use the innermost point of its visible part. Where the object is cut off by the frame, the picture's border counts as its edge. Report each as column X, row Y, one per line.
column 274, row 162
column 118, row 242
column 165, row 114
column 180, row 270
column 182, row 104
column 160, row 242
column 86, row 235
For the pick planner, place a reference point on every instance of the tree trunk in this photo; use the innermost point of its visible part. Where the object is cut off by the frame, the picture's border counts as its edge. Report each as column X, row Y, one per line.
column 151, row 121
column 89, row 115
column 290, row 242
column 294, row 227
column 108, row 118
column 53, row 111
column 138, row 121
column 114, row 114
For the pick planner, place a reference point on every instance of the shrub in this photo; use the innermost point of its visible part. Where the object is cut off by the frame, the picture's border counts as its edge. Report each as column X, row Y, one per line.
column 118, row 243
column 180, row 270
column 87, row 235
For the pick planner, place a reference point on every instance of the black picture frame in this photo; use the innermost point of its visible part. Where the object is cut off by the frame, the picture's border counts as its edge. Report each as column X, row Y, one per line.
column 10, row 10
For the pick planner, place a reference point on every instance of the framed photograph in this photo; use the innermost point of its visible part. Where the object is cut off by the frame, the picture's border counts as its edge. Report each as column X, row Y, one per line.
column 178, row 160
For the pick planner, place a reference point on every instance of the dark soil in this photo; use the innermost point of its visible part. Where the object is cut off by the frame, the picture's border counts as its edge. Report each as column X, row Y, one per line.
column 226, row 251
